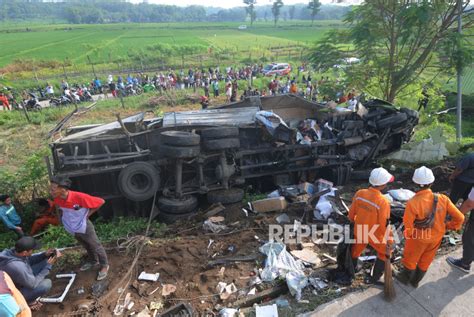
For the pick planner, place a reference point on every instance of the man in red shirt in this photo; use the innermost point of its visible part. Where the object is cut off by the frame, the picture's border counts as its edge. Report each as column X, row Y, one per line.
column 76, row 208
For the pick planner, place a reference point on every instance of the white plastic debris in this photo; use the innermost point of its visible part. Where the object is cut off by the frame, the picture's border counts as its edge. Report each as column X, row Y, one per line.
column 279, row 261
column 367, row 258
column 401, row 194
column 225, row 290
column 274, row 194
column 317, row 283
column 389, row 197
column 296, row 282
column 228, row 312
column 283, row 218
column 266, row 311
column 213, row 227
column 307, row 255
column 153, row 277
column 270, row 120
column 324, row 206
column 252, row 291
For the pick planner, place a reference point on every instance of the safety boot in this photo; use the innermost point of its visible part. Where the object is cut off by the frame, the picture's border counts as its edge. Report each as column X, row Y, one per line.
column 417, row 277
column 377, row 272
column 405, row 275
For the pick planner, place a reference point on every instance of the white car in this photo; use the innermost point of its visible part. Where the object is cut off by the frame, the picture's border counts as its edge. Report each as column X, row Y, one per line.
column 242, row 27
column 279, row 69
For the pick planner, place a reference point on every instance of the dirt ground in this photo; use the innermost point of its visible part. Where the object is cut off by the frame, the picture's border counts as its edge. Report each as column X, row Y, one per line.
column 183, row 257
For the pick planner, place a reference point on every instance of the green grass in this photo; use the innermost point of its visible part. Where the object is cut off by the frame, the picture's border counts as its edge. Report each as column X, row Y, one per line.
column 75, row 42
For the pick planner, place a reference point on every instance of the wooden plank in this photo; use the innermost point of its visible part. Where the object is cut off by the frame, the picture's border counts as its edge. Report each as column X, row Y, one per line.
column 269, row 293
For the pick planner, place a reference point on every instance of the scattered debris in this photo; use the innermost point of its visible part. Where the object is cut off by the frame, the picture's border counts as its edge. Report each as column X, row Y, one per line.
column 272, row 292
column 307, row 255
column 282, row 302
column 402, row 195
column 208, row 225
column 120, row 308
column 144, row 313
column 331, row 258
column 367, row 258
column 296, row 281
column 225, row 290
column 266, row 311
column 283, row 218
column 72, row 277
column 228, row 312
column 156, row 305
column 153, row 277
column 324, row 208
column 270, row 204
column 317, row 283
column 168, row 289
column 213, row 210
column 279, row 261
column 433, row 149
column 231, row 260
column 182, row 310
column 216, row 219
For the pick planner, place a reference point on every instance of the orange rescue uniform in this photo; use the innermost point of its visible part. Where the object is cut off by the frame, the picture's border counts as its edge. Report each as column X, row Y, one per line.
column 421, row 244
column 47, row 218
column 370, row 209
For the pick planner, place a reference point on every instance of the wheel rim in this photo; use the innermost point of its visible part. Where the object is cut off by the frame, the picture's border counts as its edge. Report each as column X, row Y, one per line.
column 140, row 182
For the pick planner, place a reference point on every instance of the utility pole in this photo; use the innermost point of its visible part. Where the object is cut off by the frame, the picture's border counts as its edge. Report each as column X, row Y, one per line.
column 90, row 62
column 459, row 88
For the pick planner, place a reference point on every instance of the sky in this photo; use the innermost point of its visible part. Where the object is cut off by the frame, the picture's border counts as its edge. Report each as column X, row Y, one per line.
column 228, row 3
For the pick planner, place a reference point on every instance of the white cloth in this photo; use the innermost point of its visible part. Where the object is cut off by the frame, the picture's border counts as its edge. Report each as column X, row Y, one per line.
column 471, row 194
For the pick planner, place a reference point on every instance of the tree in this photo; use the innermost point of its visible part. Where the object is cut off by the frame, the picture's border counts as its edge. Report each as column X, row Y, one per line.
column 314, row 6
column 251, row 10
column 291, row 12
column 398, row 40
column 276, row 10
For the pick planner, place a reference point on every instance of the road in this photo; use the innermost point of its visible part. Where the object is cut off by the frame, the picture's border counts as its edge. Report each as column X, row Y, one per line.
column 445, row 291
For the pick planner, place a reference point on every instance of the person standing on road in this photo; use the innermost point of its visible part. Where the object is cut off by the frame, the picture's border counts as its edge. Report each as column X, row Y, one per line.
column 49, row 90
column 9, row 215
column 462, row 178
column 76, row 208
column 464, row 263
column 425, row 225
column 370, row 212
column 215, row 88
column 98, row 85
column 64, row 86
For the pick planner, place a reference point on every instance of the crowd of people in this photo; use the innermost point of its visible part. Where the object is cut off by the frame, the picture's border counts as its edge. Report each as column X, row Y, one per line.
column 208, row 82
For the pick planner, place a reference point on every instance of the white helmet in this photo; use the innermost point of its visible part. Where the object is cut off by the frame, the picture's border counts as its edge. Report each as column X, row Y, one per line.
column 423, row 176
column 380, row 176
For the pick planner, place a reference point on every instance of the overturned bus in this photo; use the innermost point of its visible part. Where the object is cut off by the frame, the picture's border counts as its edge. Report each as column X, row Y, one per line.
column 183, row 157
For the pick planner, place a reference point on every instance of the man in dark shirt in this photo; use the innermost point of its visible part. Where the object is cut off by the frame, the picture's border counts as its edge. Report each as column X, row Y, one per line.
column 462, row 178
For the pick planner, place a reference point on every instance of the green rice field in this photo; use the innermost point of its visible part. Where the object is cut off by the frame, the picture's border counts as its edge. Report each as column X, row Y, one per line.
column 105, row 43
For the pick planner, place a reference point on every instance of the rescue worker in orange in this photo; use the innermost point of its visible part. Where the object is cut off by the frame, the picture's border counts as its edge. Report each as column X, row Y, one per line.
column 425, row 225
column 47, row 216
column 370, row 213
